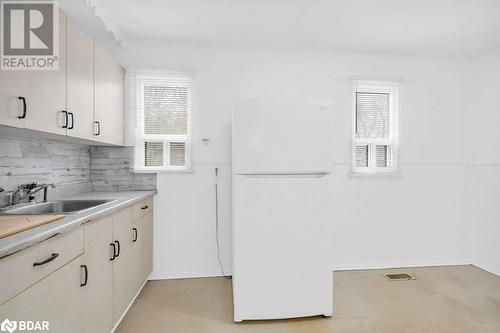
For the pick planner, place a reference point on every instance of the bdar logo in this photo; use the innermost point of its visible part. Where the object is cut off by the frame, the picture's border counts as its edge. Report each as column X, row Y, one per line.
column 8, row 326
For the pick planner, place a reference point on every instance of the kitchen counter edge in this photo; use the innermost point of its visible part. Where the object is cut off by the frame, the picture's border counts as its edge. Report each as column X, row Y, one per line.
column 121, row 199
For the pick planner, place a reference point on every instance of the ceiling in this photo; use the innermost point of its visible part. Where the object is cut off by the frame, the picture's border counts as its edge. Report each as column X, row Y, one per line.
column 421, row 27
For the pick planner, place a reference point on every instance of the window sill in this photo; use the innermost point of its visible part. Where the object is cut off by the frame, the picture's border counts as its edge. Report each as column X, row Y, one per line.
column 163, row 171
column 396, row 174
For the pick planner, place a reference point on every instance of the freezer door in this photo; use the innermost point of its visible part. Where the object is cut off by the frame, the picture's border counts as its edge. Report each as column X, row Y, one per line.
column 282, row 136
column 282, row 247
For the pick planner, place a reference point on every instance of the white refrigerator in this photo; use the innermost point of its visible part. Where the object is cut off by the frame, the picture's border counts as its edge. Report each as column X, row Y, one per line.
column 282, row 208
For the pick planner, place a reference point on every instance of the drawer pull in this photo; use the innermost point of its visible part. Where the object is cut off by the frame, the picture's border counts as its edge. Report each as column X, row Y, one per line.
column 114, row 251
column 135, row 235
column 117, row 252
column 145, row 207
column 46, row 261
column 86, row 270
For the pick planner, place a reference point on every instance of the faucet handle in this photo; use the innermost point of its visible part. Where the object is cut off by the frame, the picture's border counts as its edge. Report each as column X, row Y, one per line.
column 26, row 186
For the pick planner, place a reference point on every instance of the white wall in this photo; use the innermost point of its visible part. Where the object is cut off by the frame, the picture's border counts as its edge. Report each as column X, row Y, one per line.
column 416, row 218
column 485, row 161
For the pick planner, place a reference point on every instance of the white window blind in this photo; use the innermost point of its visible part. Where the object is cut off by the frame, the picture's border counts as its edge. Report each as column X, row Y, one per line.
column 160, row 117
column 375, row 127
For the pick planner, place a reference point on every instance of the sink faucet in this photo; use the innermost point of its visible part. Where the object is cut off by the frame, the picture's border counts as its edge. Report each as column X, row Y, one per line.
column 26, row 190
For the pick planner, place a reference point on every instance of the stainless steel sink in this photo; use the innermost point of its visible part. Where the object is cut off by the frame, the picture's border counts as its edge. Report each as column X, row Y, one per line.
column 53, row 207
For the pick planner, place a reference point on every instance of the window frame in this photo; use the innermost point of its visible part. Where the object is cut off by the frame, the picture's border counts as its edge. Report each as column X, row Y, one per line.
column 140, row 138
column 381, row 87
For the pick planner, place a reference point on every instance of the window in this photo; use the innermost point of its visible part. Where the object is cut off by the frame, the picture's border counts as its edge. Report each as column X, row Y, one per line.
column 160, row 106
column 375, row 127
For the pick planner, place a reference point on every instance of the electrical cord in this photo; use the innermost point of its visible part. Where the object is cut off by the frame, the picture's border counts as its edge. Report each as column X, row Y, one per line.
column 217, row 223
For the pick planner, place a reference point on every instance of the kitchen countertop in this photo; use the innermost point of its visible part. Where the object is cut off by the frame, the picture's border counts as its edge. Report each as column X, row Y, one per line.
column 25, row 239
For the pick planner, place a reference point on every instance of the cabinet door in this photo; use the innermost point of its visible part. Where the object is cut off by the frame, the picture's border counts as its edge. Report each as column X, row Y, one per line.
column 96, row 294
column 143, row 248
column 46, row 91
column 12, row 86
column 123, row 265
column 108, row 94
column 55, row 299
column 80, row 76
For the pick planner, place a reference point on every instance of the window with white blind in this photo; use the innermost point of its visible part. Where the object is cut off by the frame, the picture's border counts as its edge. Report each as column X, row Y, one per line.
column 375, row 127
column 160, row 110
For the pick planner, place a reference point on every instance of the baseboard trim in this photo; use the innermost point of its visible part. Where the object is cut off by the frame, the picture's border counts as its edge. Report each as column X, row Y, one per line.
column 187, row 275
column 217, row 273
column 488, row 269
column 128, row 308
column 401, row 265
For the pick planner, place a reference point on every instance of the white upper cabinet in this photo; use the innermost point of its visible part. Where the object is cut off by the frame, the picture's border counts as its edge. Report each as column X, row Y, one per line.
column 12, row 93
column 45, row 92
column 80, row 76
column 84, row 98
column 35, row 99
column 108, row 99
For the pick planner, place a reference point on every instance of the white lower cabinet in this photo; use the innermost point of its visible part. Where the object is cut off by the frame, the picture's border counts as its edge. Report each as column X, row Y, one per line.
column 91, row 292
column 97, row 278
column 143, row 251
column 123, row 263
column 55, row 299
column 134, row 240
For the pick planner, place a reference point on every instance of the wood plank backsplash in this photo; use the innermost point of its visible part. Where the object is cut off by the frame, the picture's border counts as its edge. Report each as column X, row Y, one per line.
column 111, row 170
column 24, row 160
column 79, row 167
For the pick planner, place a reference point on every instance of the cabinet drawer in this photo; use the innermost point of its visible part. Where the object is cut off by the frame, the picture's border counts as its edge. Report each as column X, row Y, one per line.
column 142, row 208
column 23, row 269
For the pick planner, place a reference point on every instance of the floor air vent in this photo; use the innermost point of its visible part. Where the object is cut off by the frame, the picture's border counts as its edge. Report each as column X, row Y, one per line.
column 399, row 277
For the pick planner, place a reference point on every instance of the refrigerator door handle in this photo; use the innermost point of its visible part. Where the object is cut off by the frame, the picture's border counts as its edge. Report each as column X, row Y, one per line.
column 312, row 174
